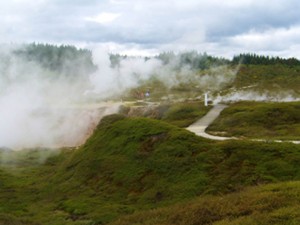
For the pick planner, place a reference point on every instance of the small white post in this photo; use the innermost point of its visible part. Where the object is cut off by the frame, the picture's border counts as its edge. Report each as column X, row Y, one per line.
column 205, row 99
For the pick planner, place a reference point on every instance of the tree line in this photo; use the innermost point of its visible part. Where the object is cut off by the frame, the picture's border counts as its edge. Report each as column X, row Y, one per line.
column 254, row 59
column 70, row 60
column 64, row 59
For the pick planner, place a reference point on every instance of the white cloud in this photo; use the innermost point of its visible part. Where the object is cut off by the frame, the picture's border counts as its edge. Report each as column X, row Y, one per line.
column 104, row 18
column 270, row 39
column 117, row 2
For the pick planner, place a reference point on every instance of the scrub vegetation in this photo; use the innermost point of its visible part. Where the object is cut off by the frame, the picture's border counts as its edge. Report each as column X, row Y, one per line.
column 259, row 120
column 180, row 114
column 158, row 174
column 141, row 166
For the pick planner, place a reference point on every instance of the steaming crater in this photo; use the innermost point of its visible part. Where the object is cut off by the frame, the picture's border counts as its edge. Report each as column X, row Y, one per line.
column 57, row 127
column 39, row 91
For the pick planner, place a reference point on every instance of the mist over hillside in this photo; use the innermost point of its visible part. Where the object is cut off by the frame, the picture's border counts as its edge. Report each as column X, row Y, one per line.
column 126, row 168
column 47, row 92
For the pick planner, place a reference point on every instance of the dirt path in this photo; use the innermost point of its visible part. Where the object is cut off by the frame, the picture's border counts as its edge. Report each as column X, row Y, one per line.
column 200, row 126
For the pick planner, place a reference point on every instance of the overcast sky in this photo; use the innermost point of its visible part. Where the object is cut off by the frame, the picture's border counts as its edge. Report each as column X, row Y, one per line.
column 218, row 27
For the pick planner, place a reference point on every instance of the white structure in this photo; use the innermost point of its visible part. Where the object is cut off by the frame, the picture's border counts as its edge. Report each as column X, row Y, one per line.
column 206, row 99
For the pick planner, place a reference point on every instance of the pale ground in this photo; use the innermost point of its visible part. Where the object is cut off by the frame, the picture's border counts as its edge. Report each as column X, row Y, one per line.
column 200, row 126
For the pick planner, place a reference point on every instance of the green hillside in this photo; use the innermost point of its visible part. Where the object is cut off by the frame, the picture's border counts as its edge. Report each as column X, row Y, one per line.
column 269, row 204
column 276, row 77
column 138, row 170
column 133, row 165
column 259, row 120
column 181, row 114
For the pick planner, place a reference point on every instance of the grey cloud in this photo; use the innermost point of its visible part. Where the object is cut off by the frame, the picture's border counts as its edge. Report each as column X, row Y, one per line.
column 146, row 23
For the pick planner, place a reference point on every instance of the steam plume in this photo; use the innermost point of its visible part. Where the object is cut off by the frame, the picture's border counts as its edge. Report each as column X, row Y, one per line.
column 42, row 108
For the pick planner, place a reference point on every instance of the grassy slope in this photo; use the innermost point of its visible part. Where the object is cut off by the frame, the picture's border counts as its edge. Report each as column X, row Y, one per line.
column 180, row 114
column 260, row 120
column 270, row 204
column 269, row 77
column 133, row 164
column 264, row 78
column 184, row 114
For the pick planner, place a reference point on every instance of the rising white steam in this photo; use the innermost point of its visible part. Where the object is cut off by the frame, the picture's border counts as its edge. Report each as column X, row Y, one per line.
column 262, row 96
column 132, row 72
column 108, row 81
column 40, row 108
